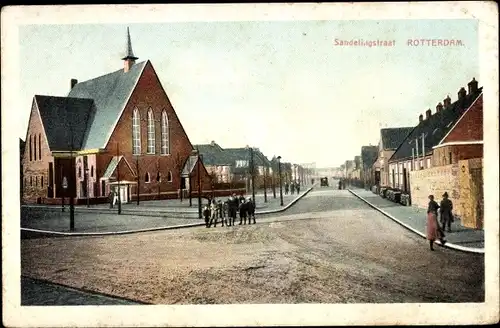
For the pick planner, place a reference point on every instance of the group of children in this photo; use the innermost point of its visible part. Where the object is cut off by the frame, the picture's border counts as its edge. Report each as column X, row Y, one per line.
column 228, row 210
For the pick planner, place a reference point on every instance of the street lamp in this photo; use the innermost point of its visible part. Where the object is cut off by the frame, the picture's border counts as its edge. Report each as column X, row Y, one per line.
column 279, row 173
column 87, row 185
column 200, row 158
column 252, row 173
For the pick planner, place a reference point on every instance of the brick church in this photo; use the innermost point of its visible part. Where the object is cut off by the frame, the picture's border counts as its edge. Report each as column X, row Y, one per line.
column 117, row 131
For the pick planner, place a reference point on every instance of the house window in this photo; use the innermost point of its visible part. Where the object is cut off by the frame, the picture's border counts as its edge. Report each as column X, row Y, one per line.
column 80, row 172
column 31, row 181
column 41, row 181
column 31, row 150
column 158, row 177
column 450, row 158
column 40, row 146
column 136, row 132
column 36, row 181
column 169, row 176
column 165, row 140
column 146, row 178
column 241, row 163
column 151, row 132
column 92, row 171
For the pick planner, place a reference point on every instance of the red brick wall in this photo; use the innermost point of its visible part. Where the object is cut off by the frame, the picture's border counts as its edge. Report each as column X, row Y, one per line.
column 150, row 94
column 441, row 155
column 36, row 169
column 470, row 127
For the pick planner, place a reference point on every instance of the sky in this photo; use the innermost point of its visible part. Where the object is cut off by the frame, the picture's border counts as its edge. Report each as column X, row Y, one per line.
column 282, row 86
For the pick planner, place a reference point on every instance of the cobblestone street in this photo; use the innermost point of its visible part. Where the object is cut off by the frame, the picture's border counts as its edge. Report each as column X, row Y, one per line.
column 328, row 248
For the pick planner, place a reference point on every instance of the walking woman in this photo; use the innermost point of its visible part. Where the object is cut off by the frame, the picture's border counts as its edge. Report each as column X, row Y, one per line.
column 433, row 229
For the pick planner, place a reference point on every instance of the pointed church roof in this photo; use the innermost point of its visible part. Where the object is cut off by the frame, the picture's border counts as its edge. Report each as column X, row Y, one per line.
column 129, row 54
column 110, row 93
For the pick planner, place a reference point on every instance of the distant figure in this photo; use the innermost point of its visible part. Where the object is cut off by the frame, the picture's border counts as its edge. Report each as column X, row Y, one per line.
column 243, row 211
column 206, row 215
column 298, row 188
column 286, row 188
column 111, row 198
column 251, row 210
column 446, row 209
column 433, row 229
column 292, row 188
column 232, row 208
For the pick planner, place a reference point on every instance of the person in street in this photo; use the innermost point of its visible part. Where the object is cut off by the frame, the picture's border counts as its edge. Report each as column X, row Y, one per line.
column 251, row 210
column 433, row 229
column 298, row 188
column 233, row 208
column 213, row 213
column 243, row 211
column 446, row 215
column 111, row 198
column 286, row 188
column 292, row 187
column 206, row 215
column 340, row 184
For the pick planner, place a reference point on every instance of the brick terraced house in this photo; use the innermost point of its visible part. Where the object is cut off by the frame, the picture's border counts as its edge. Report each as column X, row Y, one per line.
column 119, row 126
column 444, row 137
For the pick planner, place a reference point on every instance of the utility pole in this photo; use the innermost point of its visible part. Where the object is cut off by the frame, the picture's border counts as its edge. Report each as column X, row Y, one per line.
column 138, row 176
column 73, row 184
column 253, row 174
column 265, row 186
column 118, row 178
column 199, row 185
column 281, row 185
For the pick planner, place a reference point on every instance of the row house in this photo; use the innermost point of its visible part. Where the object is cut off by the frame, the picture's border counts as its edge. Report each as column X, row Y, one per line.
column 118, row 129
column 390, row 139
column 432, row 142
column 368, row 157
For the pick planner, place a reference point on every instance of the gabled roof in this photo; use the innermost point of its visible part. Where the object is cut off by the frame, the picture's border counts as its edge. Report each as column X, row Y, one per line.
column 113, row 164
column 392, row 137
column 64, row 118
column 369, row 155
column 434, row 128
column 110, row 94
column 189, row 165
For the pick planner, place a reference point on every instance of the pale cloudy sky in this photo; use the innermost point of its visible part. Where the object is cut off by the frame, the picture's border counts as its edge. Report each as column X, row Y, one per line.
column 282, row 86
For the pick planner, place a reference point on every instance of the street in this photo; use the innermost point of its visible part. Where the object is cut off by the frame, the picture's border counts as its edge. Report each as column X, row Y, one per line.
column 330, row 247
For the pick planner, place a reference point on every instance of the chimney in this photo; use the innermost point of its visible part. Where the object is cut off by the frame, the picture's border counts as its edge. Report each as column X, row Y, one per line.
column 447, row 102
column 461, row 93
column 428, row 114
column 73, row 83
column 439, row 107
column 212, row 143
column 472, row 86
column 420, row 118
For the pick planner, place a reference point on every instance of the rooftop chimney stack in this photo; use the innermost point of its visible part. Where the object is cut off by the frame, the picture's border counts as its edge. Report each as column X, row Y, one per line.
column 447, row 101
column 420, row 118
column 472, row 86
column 439, row 107
column 461, row 93
column 129, row 59
column 73, row 83
column 428, row 114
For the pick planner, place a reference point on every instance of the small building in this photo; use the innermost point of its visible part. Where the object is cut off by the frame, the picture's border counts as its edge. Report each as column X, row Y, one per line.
column 368, row 157
column 390, row 139
column 116, row 129
column 417, row 151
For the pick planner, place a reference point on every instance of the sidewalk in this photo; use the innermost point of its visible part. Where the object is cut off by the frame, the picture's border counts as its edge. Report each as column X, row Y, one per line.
column 39, row 220
column 167, row 207
column 461, row 238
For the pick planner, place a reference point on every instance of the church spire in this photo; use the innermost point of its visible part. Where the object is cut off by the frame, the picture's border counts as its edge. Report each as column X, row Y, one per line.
column 129, row 58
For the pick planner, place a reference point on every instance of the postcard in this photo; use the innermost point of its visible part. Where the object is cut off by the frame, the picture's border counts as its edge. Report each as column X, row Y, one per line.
column 250, row 164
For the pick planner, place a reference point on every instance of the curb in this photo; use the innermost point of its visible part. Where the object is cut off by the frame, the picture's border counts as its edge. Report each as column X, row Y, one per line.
column 448, row 244
column 287, row 206
column 112, row 233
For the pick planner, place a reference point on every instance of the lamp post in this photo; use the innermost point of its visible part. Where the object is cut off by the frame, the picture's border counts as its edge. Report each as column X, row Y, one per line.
column 199, row 184
column 138, row 176
column 274, row 183
column 265, row 186
column 87, row 185
column 253, row 174
column 281, row 186
column 118, row 178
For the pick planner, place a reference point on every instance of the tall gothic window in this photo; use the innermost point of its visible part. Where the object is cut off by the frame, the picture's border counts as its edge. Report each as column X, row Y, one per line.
column 31, row 150
column 40, row 146
column 136, row 133
column 151, row 132
column 165, row 142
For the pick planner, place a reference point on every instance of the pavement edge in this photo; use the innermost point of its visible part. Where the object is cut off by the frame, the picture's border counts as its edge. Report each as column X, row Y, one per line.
column 447, row 244
column 113, row 233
